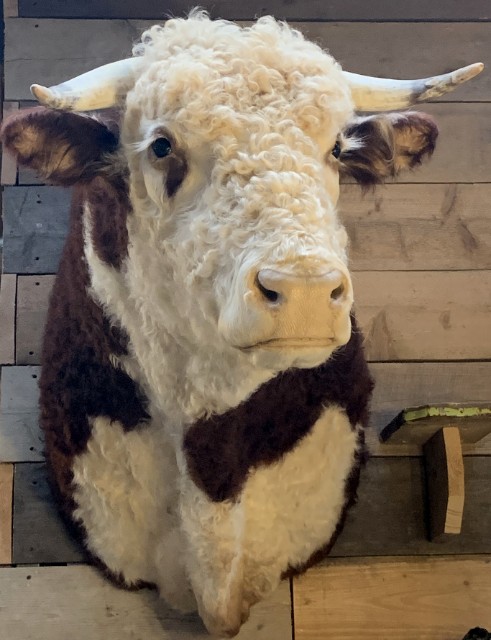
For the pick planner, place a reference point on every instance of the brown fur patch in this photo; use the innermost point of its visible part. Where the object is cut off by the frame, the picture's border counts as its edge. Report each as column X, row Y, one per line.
column 109, row 208
column 78, row 380
column 379, row 147
column 62, row 147
column 221, row 450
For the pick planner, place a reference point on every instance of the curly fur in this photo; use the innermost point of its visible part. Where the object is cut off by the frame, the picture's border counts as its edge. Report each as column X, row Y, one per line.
column 166, row 446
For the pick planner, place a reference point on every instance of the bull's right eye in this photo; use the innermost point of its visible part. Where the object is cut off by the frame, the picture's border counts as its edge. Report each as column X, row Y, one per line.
column 161, row 147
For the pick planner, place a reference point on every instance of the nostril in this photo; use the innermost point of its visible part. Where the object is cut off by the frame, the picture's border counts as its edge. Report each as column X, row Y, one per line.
column 337, row 292
column 269, row 294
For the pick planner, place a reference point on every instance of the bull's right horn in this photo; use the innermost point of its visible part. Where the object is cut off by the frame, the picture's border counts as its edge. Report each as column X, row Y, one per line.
column 383, row 94
column 100, row 88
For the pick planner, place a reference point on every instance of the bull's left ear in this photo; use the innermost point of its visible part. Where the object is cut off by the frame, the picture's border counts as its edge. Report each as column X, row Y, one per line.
column 379, row 147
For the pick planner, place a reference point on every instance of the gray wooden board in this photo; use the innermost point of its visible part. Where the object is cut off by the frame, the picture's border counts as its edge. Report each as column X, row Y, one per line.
column 53, row 603
column 39, row 533
column 50, row 51
column 35, row 227
column 8, row 292
column 378, row 10
column 389, row 518
column 398, row 385
column 32, row 306
column 395, row 227
column 20, row 436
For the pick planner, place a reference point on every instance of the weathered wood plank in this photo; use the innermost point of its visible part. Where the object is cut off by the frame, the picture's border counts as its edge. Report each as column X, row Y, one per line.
column 418, row 226
column 20, row 436
column 35, row 227
column 10, row 8
column 430, row 599
column 390, row 517
column 397, row 385
column 9, row 166
column 6, row 509
column 43, row 603
column 32, row 305
column 405, row 315
column 376, row 10
column 424, row 315
column 50, row 51
column 396, row 227
column 8, row 291
column 39, row 533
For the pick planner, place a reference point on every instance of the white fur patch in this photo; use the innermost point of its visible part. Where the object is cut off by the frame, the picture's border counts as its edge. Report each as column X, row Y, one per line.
column 144, row 519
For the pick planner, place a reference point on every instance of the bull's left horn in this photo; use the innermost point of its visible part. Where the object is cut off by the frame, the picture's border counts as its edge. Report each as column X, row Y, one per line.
column 383, row 94
column 97, row 89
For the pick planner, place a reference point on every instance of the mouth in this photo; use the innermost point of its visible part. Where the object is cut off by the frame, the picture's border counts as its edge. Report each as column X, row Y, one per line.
column 292, row 343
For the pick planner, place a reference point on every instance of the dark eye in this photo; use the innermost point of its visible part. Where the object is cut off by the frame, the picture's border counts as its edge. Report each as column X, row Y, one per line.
column 336, row 150
column 161, row 147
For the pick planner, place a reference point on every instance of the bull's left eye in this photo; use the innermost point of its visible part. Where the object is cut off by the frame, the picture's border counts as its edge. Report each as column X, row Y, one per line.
column 336, row 150
column 161, row 147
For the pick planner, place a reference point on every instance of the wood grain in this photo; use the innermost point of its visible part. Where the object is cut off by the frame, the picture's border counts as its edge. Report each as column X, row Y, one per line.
column 8, row 291
column 45, row 602
column 32, row 306
column 390, row 517
column 445, row 482
column 10, row 8
column 395, row 227
column 405, row 316
column 376, row 10
column 424, row 315
column 6, row 509
column 20, row 436
column 418, row 226
column 31, row 56
column 35, row 227
column 9, row 166
column 39, row 533
column 427, row 599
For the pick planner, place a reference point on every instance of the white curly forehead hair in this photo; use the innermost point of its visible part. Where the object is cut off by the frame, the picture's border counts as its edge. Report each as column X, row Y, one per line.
column 222, row 74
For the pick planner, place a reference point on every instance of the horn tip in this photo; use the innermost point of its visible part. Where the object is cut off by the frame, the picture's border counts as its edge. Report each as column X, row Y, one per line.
column 470, row 71
column 42, row 94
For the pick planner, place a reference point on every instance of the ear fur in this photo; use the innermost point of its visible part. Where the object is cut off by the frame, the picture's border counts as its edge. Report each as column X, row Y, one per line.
column 379, row 147
column 62, row 147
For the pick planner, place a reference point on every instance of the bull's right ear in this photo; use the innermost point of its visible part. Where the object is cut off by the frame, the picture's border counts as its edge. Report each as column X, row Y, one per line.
column 62, row 147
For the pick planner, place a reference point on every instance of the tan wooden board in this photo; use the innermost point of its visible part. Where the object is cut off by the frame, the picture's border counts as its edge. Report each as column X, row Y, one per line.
column 389, row 518
column 10, row 8
column 20, row 436
column 445, row 483
column 424, row 315
column 395, row 227
column 404, row 315
column 376, row 10
column 35, row 227
column 39, row 533
column 418, row 226
column 9, row 166
column 8, row 290
column 6, row 510
column 50, row 51
column 426, row 599
column 52, row 603
column 32, row 305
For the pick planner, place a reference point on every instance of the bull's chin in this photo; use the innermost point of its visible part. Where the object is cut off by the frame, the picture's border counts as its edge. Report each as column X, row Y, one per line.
column 285, row 353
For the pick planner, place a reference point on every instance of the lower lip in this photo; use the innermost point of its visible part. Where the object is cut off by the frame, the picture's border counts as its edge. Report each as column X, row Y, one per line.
column 306, row 343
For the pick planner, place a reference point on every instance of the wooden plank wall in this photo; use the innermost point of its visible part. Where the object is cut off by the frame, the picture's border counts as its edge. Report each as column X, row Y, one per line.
column 421, row 262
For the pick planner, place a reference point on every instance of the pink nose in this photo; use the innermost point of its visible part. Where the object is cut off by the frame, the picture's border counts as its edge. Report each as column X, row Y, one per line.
column 284, row 290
